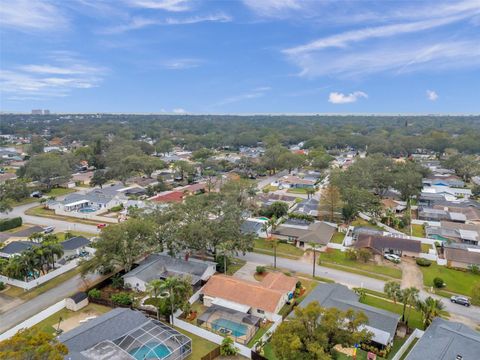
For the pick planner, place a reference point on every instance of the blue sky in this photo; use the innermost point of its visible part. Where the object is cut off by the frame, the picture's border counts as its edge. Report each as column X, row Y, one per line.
column 250, row 56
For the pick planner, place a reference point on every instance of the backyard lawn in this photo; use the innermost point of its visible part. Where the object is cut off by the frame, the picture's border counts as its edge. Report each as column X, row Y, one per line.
column 338, row 238
column 415, row 320
column 235, row 265
column 336, row 259
column 50, row 324
column 297, row 191
column 418, row 230
column 457, row 281
column 364, row 223
column 283, row 249
column 61, row 235
column 200, row 346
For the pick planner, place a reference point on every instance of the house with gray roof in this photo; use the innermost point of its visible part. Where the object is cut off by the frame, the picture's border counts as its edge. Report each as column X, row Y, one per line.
column 161, row 266
column 383, row 324
column 308, row 207
column 75, row 245
column 125, row 334
column 15, row 248
column 303, row 233
column 446, row 340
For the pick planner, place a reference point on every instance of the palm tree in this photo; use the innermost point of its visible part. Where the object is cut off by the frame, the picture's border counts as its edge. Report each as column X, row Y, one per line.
column 56, row 250
column 392, row 289
column 154, row 287
column 225, row 250
column 314, row 247
column 410, row 299
column 272, row 225
column 15, row 268
column 430, row 308
column 178, row 290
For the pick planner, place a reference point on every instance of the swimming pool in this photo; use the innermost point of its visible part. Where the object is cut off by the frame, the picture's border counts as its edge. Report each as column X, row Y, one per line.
column 263, row 218
column 150, row 351
column 237, row 329
column 87, row 210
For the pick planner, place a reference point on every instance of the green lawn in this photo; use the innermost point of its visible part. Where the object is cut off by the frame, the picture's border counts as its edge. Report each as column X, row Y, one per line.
column 41, row 211
column 426, row 248
column 270, row 188
column 457, row 281
column 235, row 265
column 418, row 230
column 309, row 286
column 365, row 223
column 283, row 249
column 50, row 324
column 297, row 191
column 415, row 320
column 59, row 192
column 338, row 238
column 268, row 352
column 61, row 235
column 200, row 346
column 410, row 347
column 336, row 259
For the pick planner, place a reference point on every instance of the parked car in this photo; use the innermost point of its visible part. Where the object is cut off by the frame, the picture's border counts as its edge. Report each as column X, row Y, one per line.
column 461, row 300
column 36, row 194
column 101, row 226
column 48, row 229
column 392, row 257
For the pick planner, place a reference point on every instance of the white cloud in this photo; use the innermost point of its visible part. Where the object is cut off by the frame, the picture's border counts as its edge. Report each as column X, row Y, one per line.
column 179, row 111
column 432, row 95
column 137, row 23
column 181, row 64
column 340, row 98
column 273, row 8
column 167, row 5
column 50, row 80
column 252, row 94
column 31, row 15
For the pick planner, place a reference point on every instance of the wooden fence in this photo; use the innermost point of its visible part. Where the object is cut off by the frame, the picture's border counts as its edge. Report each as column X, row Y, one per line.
column 212, row 354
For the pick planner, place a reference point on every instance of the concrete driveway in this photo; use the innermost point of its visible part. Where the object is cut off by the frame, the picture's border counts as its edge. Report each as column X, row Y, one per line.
column 247, row 271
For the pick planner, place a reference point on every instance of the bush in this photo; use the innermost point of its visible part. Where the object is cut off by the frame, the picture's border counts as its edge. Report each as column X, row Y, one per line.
column 12, row 223
column 122, row 298
column 474, row 269
column 438, row 282
column 117, row 282
column 351, row 254
column 423, row 262
column 117, row 208
column 476, row 294
column 94, row 294
column 260, row 269
column 221, row 263
column 2, row 286
column 227, row 348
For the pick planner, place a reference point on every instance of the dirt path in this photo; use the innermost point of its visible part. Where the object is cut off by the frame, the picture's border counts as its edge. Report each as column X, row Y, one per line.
column 411, row 274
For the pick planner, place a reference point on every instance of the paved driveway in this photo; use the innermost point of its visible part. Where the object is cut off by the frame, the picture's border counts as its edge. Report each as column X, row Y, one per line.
column 247, row 271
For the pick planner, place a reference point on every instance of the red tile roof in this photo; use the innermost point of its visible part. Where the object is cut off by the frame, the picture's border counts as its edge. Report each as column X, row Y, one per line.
column 172, row 196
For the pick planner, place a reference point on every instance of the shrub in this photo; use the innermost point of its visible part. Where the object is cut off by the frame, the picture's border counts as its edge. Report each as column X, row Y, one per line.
column 117, row 208
column 298, row 285
column 221, row 263
column 227, row 348
column 2, row 286
column 474, row 269
column 351, row 254
column 94, row 294
column 476, row 294
column 438, row 282
column 364, row 254
column 122, row 298
column 423, row 262
column 117, row 282
column 260, row 269
column 12, row 223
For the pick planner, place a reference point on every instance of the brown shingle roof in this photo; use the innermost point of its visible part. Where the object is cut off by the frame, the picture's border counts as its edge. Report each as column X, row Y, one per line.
column 279, row 281
column 318, row 232
column 243, row 292
column 462, row 255
column 379, row 243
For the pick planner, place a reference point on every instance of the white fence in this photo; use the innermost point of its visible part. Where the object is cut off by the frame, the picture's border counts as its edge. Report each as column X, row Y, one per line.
column 277, row 320
column 86, row 216
column 417, row 334
column 205, row 334
column 28, row 285
column 422, row 222
column 336, row 246
column 42, row 315
column 382, row 225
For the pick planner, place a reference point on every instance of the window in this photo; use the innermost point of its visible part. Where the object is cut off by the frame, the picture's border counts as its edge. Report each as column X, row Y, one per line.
column 260, row 311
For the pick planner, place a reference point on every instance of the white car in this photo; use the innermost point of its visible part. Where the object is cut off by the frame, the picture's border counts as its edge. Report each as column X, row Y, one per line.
column 392, row 257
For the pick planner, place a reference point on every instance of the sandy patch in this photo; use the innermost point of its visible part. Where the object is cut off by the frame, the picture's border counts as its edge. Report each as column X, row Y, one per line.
column 74, row 321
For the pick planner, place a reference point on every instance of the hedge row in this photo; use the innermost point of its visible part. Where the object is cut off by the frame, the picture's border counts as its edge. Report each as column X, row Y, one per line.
column 12, row 223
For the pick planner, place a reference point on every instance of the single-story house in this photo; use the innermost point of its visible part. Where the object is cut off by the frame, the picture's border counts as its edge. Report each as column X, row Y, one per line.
column 303, row 233
column 263, row 299
column 433, row 214
column 461, row 255
column 445, row 339
column 75, row 245
column 161, row 266
column 308, row 207
column 253, row 226
column 448, row 191
column 268, row 199
column 396, row 206
column 290, row 181
column 472, row 213
column 125, row 334
column 442, row 180
column 383, row 324
column 168, row 197
column 462, row 233
column 77, row 301
column 389, row 245
column 15, row 248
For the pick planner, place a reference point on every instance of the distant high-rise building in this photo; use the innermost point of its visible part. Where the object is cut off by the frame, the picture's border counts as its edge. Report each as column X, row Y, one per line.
column 37, row 112
column 46, row 112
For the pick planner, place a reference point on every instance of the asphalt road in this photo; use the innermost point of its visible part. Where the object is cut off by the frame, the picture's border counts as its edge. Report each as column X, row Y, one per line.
column 32, row 307
column 468, row 315
column 59, row 225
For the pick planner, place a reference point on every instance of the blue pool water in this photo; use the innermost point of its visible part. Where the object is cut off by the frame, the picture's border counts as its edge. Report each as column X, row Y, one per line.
column 237, row 329
column 87, row 210
column 152, row 351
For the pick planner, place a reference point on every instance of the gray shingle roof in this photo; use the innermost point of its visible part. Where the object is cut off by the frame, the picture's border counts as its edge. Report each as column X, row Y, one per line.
column 75, row 243
column 109, row 326
column 250, row 227
column 340, row 297
column 157, row 266
column 17, row 247
column 444, row 340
